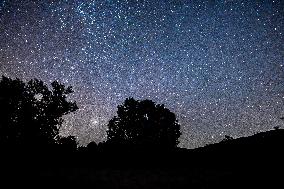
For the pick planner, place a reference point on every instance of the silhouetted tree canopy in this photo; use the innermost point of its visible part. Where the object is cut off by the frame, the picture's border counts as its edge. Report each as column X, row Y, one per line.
column 31, row 114
column 143, row 124
column 67, row 144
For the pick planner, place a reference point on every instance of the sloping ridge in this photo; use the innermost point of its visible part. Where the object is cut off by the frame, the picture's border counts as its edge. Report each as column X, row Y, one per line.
column 253, row 161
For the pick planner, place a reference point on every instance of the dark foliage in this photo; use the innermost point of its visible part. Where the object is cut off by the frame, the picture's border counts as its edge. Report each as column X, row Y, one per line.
column 67, row 144
column 143, row 124
column 31, row 114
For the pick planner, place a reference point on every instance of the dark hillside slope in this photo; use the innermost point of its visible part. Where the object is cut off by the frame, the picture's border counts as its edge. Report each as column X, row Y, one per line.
column 254, row 161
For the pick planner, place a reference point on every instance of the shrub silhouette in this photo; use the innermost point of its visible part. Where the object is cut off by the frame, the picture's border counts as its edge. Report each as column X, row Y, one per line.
column 227, row 138
column 143, row 124
column 31, row 113
column 276, row 127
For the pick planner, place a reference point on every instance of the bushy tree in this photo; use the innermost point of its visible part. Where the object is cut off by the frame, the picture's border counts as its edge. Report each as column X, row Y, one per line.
column 143, row 124
column 31, row 114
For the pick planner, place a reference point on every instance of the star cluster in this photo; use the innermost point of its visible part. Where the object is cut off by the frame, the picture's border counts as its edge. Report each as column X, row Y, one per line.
column 217, row 64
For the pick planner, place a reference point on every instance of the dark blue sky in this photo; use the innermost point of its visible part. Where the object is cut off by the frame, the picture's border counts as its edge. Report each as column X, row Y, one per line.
column 217, row 64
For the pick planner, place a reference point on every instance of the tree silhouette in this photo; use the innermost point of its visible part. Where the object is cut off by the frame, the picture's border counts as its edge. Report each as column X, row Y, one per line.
column 67, row 144
column 143, row 124
column 31, row 114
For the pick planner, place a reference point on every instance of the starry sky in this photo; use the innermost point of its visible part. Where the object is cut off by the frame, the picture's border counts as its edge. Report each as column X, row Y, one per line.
column 217, row 64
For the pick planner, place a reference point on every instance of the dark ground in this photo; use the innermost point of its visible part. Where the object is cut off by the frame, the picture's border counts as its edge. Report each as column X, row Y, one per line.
column 252, row 162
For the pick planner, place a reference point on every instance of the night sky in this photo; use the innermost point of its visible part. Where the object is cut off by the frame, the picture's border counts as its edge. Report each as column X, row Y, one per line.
column 218, row 65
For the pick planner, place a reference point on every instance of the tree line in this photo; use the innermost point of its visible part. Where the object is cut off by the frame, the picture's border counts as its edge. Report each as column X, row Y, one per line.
column 31, row 117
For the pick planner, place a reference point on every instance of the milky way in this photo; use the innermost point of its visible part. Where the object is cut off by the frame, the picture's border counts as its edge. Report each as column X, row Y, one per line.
column 217, row 64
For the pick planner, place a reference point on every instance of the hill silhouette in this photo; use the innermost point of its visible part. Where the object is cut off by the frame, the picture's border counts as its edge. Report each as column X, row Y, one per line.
column 254, row 161
column 264, row 141
column 141, row 150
